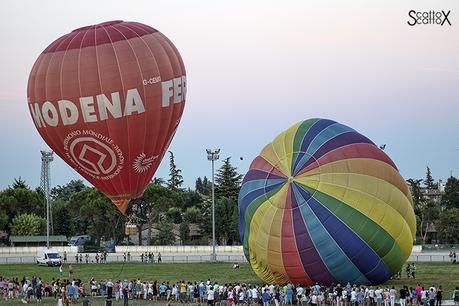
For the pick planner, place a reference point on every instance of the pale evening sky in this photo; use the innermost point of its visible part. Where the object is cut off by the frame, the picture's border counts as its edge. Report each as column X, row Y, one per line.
column 255, row 68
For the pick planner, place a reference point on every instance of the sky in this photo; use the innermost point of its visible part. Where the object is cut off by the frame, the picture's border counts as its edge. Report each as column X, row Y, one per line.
column 254, row 68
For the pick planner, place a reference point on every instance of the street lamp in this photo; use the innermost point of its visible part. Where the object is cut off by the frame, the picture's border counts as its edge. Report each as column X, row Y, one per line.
column 213, row 156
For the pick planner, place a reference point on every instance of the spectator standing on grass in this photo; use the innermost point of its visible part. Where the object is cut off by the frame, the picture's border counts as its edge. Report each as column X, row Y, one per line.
column 439, row 296
column 456, row 296
column 86, row 257
column 413, row 271
column 129, row 256
column 210, row 296
column 126, row 296
column 61, row 270
column 70, row 271
column 65, row 256
column 402, row 296
column 159, row 257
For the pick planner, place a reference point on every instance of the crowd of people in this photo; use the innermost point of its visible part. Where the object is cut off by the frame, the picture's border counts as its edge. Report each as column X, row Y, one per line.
column 67, row 292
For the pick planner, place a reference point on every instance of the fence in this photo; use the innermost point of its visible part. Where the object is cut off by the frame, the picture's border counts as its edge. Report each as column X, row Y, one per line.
column 193, row 258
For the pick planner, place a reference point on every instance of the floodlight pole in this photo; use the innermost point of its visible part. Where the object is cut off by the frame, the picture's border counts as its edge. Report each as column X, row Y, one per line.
column 46, row 159
column 213, row 156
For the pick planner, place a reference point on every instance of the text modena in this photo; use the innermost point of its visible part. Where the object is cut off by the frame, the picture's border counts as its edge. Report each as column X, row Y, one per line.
column 68, row 112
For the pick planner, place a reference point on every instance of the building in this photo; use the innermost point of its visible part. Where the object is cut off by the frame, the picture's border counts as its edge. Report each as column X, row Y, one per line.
column 37, row 241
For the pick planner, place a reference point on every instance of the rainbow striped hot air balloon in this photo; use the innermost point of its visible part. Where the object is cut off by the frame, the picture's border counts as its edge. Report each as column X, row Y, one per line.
column 322, row 203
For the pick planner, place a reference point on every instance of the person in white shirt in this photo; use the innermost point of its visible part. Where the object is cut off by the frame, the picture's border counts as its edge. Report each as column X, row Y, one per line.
column 353, row 297
column 392, row 294
column 210, row 296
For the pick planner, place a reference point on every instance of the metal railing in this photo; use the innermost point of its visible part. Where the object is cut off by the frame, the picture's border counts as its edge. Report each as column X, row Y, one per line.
column 111, row 258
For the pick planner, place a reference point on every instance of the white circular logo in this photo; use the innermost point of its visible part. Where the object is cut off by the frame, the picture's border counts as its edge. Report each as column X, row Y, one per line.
column 94, row 154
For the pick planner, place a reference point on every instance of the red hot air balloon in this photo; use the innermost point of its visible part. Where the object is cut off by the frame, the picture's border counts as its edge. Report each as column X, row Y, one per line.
column 107, row 99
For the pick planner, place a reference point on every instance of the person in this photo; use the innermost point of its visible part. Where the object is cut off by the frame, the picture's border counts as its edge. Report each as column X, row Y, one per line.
column 413, row 271
column 439, row 297
column 402, row 296
column 70, row 271
column 456, row 296
column 86, row 301
column 159, row 257
column 65, row 256
column 210, row 296
column 109, row 289
column 61, row 270
column 126, row 296
column 266, row 297
column 408, row 270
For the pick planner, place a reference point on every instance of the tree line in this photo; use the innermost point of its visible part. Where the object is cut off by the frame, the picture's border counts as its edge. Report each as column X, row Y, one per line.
column 78, row 209
column 437, row 211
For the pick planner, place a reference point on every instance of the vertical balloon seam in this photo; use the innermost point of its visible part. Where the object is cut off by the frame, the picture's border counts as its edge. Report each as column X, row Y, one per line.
column 309, row 136
column 62, row 72
column 144, row 98
column 108, row 130
column 376, row 200
column 358, row 238
column 155, row 62
column 306, row 261
column 254, row 206
column 170, row 109
column 298, row 138
column 328, row 201
column 177, row 108
column 290, row 213
column 122, row 181
column 53, row 140
column 313, row 257
column 307, row 124
column 126, row 120
column 317, row 237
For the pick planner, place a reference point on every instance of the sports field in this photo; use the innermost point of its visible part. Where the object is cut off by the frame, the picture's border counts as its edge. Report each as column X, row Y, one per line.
column 444, row 274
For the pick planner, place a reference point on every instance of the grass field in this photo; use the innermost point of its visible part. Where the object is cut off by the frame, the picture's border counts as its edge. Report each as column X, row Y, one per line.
column 444, row 274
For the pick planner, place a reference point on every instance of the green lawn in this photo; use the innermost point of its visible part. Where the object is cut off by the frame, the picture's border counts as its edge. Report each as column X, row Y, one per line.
column 444, row 274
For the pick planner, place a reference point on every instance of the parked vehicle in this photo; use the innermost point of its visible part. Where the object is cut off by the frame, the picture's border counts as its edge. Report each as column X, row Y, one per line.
column 48, row 257
column 78, row 240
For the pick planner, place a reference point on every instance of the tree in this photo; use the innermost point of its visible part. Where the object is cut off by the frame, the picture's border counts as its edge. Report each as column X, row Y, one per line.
column 19, row 183
column 192, row 215
column 62, row 219
column 184, row 232
column 66, row 191
column 203, row 186
column 225, row 225
column 158, row 181
column 423, row 209
column 28, row 225
column 447, row 225
column 450, row 199
column 103, row 218
column 165, row 234
column 175, row 215
column 175, row 178
column 429, row 181
column 15, row 201
column 228, row 181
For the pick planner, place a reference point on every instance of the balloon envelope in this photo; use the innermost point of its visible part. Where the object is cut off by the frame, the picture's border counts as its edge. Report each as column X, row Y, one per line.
column 107, row 99
column 322, row 203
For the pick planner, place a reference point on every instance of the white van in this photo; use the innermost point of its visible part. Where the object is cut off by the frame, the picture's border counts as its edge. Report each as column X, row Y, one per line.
column 48, row 257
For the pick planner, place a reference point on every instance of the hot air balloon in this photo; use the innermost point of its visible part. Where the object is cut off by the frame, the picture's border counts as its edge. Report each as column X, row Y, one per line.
column 108, row 98
column 322, row 203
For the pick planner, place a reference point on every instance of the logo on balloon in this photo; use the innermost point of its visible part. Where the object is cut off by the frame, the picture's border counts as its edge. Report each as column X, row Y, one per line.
column 142, row 163
column 94, row 154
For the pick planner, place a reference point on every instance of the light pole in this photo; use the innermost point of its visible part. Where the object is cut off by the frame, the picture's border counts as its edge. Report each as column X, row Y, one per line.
column 213, row 156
